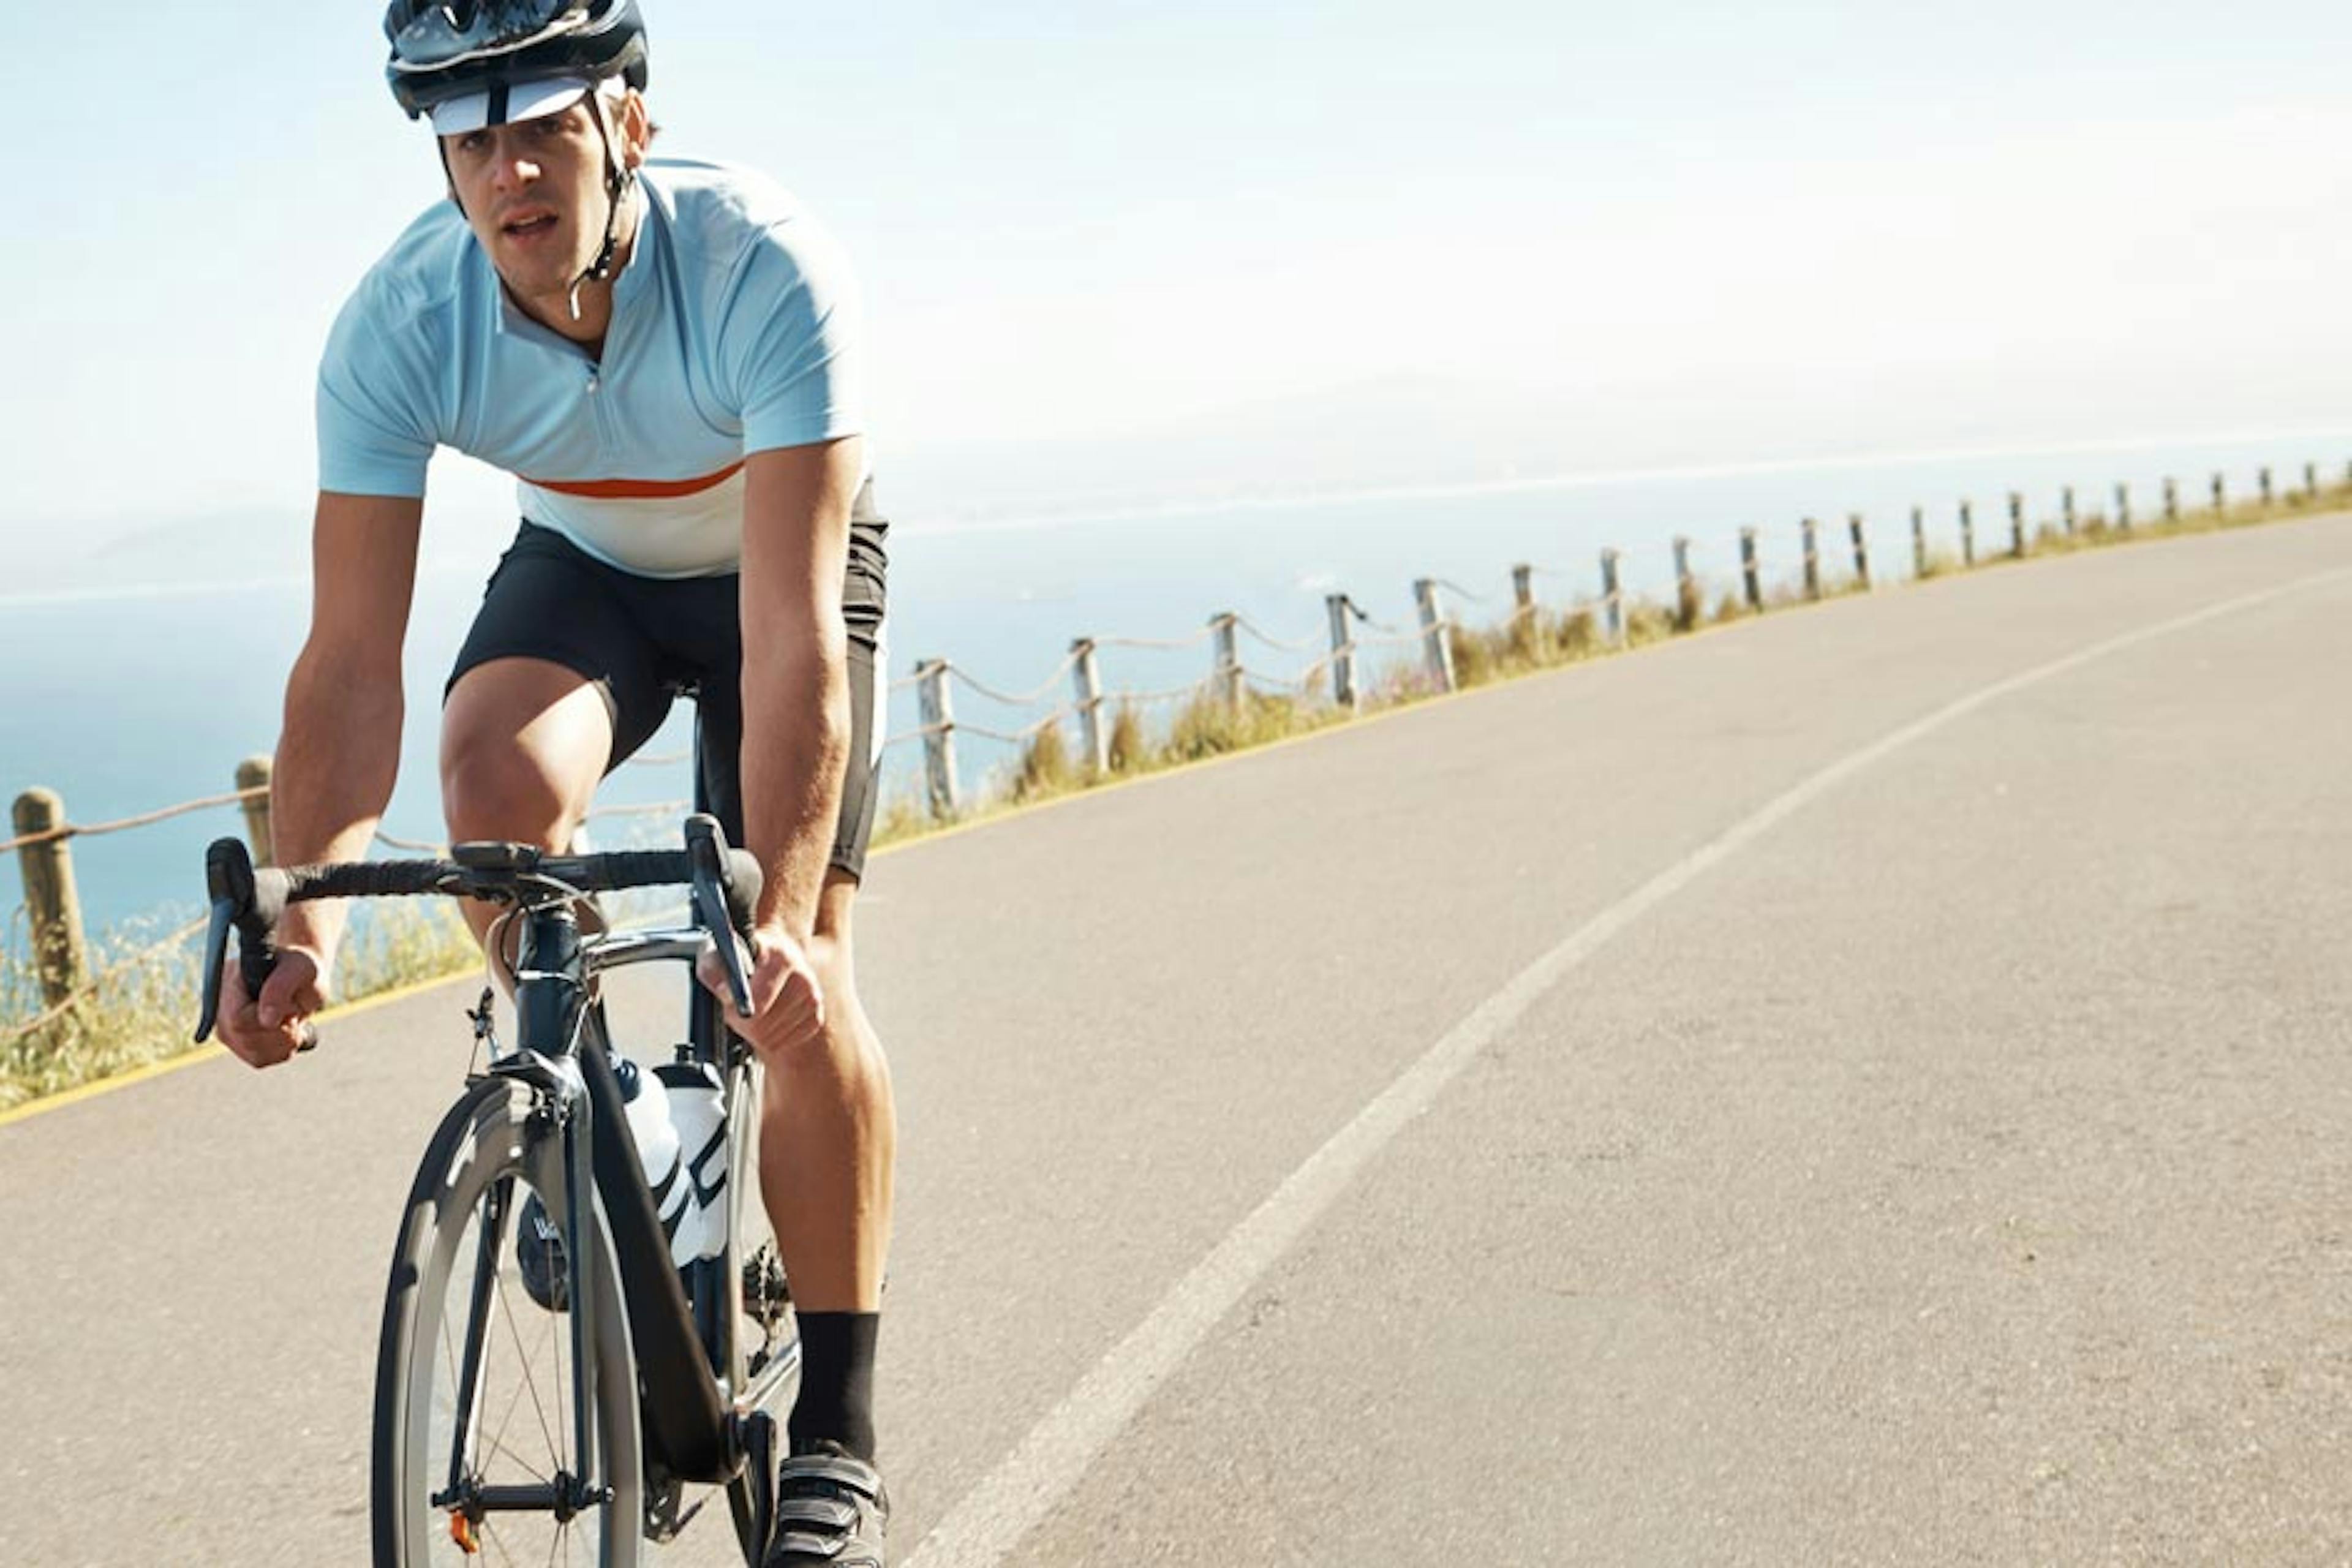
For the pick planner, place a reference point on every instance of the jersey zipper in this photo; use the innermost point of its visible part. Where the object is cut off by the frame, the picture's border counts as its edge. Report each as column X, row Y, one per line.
column 598, row 403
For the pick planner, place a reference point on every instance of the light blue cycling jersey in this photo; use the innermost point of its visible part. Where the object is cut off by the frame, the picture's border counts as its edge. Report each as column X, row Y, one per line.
column 734, row 331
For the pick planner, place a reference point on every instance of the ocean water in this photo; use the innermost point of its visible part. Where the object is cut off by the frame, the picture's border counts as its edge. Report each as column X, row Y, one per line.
column 136, row 698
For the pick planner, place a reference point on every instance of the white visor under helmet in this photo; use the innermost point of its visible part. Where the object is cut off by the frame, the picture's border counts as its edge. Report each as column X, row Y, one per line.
column 505, row 104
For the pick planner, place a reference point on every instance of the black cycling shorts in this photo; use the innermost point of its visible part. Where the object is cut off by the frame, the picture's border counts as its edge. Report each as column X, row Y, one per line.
column 644, row 640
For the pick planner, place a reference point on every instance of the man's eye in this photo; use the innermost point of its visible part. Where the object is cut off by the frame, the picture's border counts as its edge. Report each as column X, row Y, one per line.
column 472, row 143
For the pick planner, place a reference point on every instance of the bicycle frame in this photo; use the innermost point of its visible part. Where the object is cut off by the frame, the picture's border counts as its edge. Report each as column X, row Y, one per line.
column 690, row 1430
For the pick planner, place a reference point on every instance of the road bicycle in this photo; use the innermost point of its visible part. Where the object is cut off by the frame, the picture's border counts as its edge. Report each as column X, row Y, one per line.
column 552, row 1384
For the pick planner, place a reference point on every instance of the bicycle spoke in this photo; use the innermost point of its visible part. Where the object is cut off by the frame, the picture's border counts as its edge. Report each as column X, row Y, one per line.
column 520, row 1463
column 529, row 1385
column 497, row 1440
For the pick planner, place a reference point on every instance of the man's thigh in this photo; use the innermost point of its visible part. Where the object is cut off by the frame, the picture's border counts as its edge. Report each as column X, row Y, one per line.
column 523, row 744
column 550, row 601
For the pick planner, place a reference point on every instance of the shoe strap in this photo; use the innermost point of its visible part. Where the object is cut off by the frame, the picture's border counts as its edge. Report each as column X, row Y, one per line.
column 838, row 1468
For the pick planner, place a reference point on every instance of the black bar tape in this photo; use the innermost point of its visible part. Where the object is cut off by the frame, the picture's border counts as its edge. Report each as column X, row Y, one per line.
column 364, row 878
column 617, row 870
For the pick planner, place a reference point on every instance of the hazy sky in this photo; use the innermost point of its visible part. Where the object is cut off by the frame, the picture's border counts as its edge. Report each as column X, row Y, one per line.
column 1076, row 219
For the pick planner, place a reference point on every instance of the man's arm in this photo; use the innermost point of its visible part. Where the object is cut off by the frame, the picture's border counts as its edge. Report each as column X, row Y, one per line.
column 795, row 674
column 339, row 747
column 796, row 745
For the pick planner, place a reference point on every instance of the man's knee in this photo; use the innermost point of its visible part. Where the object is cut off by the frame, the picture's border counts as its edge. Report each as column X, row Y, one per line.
column 837, row 970
column 523, row 744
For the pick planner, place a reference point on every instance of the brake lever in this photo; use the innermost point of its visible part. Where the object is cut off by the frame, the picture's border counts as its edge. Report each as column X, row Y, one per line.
column 236, row 902
column 215, row 956
column 706, row 851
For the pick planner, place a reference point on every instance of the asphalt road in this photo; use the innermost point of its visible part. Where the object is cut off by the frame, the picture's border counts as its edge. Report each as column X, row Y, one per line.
column 1864, row 1085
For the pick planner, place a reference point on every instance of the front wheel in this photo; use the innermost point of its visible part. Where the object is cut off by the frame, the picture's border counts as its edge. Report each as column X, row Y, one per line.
column 477, row 1454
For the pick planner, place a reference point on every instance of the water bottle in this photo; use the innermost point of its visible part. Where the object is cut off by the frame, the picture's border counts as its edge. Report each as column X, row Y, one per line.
column 697, row 1119
column 677, row 1120
column 646, row 1100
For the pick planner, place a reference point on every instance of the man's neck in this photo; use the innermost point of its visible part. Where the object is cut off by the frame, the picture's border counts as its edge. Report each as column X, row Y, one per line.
column 592, row 295
column 553, row 311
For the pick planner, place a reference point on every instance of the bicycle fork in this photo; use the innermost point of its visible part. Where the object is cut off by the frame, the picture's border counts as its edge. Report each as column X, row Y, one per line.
column 558, row 1094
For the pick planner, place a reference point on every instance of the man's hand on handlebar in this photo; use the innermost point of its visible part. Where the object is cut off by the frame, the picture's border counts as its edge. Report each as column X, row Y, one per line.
column 264, row 1035
column 787, row 1002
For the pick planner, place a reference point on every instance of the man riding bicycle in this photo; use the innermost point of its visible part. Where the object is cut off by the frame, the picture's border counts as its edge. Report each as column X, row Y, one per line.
column 665, row 355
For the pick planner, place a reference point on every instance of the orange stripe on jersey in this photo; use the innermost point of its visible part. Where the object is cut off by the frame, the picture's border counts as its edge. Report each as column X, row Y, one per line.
column 638, row 490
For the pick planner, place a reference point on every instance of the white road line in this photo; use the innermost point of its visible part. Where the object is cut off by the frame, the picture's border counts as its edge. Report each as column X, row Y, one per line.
column 990, row 1520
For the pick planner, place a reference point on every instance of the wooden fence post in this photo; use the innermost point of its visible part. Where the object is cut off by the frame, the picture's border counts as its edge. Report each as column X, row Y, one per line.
column 2171, row 499
column 252, row 773
column 1436, row 645
column 1749, row 574
column 1613, row 597
column 2263, row 483
column 939, row 737
column 2221, row 499
column 2016, row 525
column 1527, row 622
column 1687, row 606
column 60, row 954
column 1225, row 671
column 1088, row 678
column 1967, row 533
column 2066, row 507
column 1343, row 652
column 1919, row 541
column 2123, row 506
column 1812, row 531
column 1861, row 550
column 2310, row 483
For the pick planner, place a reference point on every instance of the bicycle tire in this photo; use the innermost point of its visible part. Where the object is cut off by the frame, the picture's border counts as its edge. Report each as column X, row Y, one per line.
column 485, row 1155
column 750, row 1251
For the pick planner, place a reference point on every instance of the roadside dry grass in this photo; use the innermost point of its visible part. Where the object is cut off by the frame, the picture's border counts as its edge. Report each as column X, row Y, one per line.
column 142, row 1009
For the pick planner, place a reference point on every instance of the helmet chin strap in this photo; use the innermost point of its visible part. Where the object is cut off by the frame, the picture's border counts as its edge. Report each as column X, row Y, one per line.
column 617, row 182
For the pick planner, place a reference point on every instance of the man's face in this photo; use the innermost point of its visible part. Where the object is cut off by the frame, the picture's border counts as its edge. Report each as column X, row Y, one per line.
column 535, row 194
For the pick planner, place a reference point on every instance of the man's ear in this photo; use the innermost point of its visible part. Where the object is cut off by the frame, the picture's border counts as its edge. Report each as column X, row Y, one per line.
column 637, row 129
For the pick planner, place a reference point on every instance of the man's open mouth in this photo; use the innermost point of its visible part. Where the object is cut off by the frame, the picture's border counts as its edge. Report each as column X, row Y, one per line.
column 536, row 223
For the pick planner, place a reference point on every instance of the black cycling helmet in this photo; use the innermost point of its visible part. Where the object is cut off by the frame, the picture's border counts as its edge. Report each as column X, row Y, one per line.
column 451, row 50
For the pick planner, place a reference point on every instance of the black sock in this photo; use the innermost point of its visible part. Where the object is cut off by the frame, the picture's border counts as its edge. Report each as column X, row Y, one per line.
column 836, row 1399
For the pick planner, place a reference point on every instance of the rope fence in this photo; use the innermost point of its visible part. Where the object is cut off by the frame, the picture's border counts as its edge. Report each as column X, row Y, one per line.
column 66, row 830
column 1831, row 555
column 1028, row 699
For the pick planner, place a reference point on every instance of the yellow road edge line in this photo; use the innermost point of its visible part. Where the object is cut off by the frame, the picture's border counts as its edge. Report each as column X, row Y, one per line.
column 199, row 1053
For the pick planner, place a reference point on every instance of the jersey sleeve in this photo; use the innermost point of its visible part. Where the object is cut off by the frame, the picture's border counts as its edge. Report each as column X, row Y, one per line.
column 790, row 340
column 374, row 439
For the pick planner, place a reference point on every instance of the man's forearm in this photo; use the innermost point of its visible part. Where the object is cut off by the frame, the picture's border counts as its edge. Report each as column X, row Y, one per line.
column 795, row 750
column 337, row 756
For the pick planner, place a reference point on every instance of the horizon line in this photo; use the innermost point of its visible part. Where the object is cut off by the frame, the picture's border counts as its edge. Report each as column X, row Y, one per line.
column 917, row 524
column 1594, row 479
